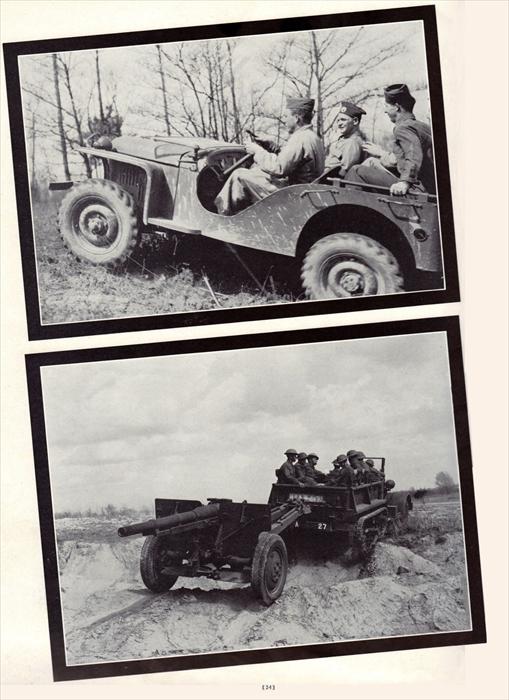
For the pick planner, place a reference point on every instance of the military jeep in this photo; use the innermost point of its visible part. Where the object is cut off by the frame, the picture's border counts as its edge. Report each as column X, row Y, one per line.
column 349, row 239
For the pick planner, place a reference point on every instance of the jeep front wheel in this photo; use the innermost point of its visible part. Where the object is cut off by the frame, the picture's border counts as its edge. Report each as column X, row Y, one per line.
column 349, row 265
column 98, row 223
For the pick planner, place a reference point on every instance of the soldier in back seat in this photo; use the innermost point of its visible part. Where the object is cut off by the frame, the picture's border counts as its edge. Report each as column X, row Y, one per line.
column 342, row 474
column 372, row 473
column 356, row 460
column 306, row 471
column 312, row 471
column 287, row 472
column 347, row 150
column 409, row 166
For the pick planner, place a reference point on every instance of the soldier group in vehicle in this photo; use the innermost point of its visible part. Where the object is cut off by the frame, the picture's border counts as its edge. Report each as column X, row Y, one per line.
column 408, row 167
column 351, row 469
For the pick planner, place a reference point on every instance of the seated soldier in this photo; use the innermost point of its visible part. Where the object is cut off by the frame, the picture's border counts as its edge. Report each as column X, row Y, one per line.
column 347, row 150
column 300, row 160
column 356, row 460
column 409, row 166
column 287, row 472
column 306, row 471
column 313, row 472
column 342, row 474
column 372, row 473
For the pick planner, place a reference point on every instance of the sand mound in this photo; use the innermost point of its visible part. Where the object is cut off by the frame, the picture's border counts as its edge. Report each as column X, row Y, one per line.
column 109, row 614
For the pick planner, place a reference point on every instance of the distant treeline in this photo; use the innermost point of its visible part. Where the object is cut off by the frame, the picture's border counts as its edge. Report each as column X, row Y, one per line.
column 437, row 492
column 107, row 512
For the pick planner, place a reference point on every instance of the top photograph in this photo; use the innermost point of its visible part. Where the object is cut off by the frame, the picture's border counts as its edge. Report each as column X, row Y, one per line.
column 232, row 172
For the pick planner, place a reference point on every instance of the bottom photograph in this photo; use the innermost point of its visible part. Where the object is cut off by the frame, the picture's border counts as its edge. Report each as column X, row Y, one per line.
column 257, row 498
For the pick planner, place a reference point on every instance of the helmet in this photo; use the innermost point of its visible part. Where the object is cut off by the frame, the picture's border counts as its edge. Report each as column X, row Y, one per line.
column 370, row 462
column 313, row 454
column 361, row 455
column 301, row 455
column 341, row 458
column 351, row 453
column 291, row 451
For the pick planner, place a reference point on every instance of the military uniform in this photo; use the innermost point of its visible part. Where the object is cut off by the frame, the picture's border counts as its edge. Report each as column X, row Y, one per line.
column 347, row 150
column 372, row 473
column 411, row 156
column 342, row 476
column 288, row 473
column 301, row 160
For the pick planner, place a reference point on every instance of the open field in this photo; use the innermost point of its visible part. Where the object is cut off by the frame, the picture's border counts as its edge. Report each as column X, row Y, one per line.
column 167, row 277
column 413, row 584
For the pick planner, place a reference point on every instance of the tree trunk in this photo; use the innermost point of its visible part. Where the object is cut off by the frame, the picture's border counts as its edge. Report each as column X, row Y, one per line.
column 98, row 72
column 60, row 119
column 163, row 90
column 318, row 78
column 77, row 118
column 236, row 119
column 33, row 180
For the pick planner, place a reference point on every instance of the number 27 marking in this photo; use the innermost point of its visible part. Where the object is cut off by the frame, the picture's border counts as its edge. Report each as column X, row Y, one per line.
column 322, row 526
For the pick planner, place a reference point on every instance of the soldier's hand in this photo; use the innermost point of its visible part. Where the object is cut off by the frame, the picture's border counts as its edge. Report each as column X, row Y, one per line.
column 372, row 149
column 252, row 147
column 400, row 189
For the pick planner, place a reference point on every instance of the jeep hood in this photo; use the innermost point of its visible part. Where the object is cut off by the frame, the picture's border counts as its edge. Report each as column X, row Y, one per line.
column 166, row 150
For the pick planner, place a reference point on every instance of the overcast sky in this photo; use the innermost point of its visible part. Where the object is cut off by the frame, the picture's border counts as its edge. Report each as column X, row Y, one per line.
column 217, row 424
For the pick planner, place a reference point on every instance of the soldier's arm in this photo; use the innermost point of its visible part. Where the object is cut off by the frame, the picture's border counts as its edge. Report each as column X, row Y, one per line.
column 352, row 153
column 282, row 164
column 410, row 144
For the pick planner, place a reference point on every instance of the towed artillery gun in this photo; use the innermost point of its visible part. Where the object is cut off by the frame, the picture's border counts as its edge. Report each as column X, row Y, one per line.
column 349, row 240
column 247, row 542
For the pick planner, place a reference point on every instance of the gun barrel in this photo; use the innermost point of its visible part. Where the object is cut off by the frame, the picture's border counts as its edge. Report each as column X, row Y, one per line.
column 148, row 527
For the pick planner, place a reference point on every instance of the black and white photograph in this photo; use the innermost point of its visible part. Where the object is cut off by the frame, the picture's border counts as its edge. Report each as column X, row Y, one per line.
column 294, row 494
column 190, row 177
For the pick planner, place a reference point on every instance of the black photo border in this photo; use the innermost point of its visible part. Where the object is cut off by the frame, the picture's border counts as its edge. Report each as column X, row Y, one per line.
column 62, row 671
column 39, row 331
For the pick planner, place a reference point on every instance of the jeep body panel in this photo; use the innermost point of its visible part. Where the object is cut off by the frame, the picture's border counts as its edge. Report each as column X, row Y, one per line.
column 164, row 176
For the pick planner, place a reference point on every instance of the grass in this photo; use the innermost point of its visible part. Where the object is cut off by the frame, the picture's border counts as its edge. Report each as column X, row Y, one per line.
column 183, row 273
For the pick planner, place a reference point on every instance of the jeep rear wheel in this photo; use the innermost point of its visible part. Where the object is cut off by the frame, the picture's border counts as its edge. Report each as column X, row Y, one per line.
column 349, row 265
column 98, row 223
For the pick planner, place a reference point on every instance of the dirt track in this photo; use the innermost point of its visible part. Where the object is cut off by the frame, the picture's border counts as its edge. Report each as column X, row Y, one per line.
column 415, row 585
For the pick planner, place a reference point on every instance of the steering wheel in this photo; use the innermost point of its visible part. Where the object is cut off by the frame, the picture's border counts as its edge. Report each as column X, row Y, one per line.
column 226, row 173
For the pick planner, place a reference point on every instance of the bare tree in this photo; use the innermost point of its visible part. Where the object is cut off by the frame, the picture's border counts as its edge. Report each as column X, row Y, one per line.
column 60, row 119
column 164, row 94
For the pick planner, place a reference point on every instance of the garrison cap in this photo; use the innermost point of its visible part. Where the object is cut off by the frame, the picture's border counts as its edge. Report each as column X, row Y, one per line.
column 305, row 103
column 351, row 109
column 399, row 94
column 291, row 451
column 313, row 454
column 302, row 455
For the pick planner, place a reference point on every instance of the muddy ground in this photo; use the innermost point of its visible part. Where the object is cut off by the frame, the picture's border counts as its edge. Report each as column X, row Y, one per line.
column 412, row 585
column 183, row 273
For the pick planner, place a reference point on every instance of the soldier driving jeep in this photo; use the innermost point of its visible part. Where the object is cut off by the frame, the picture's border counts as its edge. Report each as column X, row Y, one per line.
column 301, row 160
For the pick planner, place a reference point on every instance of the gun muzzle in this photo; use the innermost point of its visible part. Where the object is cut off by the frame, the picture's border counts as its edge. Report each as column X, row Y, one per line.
column 149, row 527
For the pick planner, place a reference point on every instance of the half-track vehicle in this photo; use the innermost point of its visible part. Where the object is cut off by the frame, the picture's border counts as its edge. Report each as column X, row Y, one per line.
column 349, row 239
column 247, row 542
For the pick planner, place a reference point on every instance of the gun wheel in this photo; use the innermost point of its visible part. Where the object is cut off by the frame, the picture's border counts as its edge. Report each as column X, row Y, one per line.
column 152, row 563
column 98, row 223
column 349, row 265
column 269, row 567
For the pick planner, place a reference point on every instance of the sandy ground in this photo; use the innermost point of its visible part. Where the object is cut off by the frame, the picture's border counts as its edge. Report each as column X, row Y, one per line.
column 412, row 585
